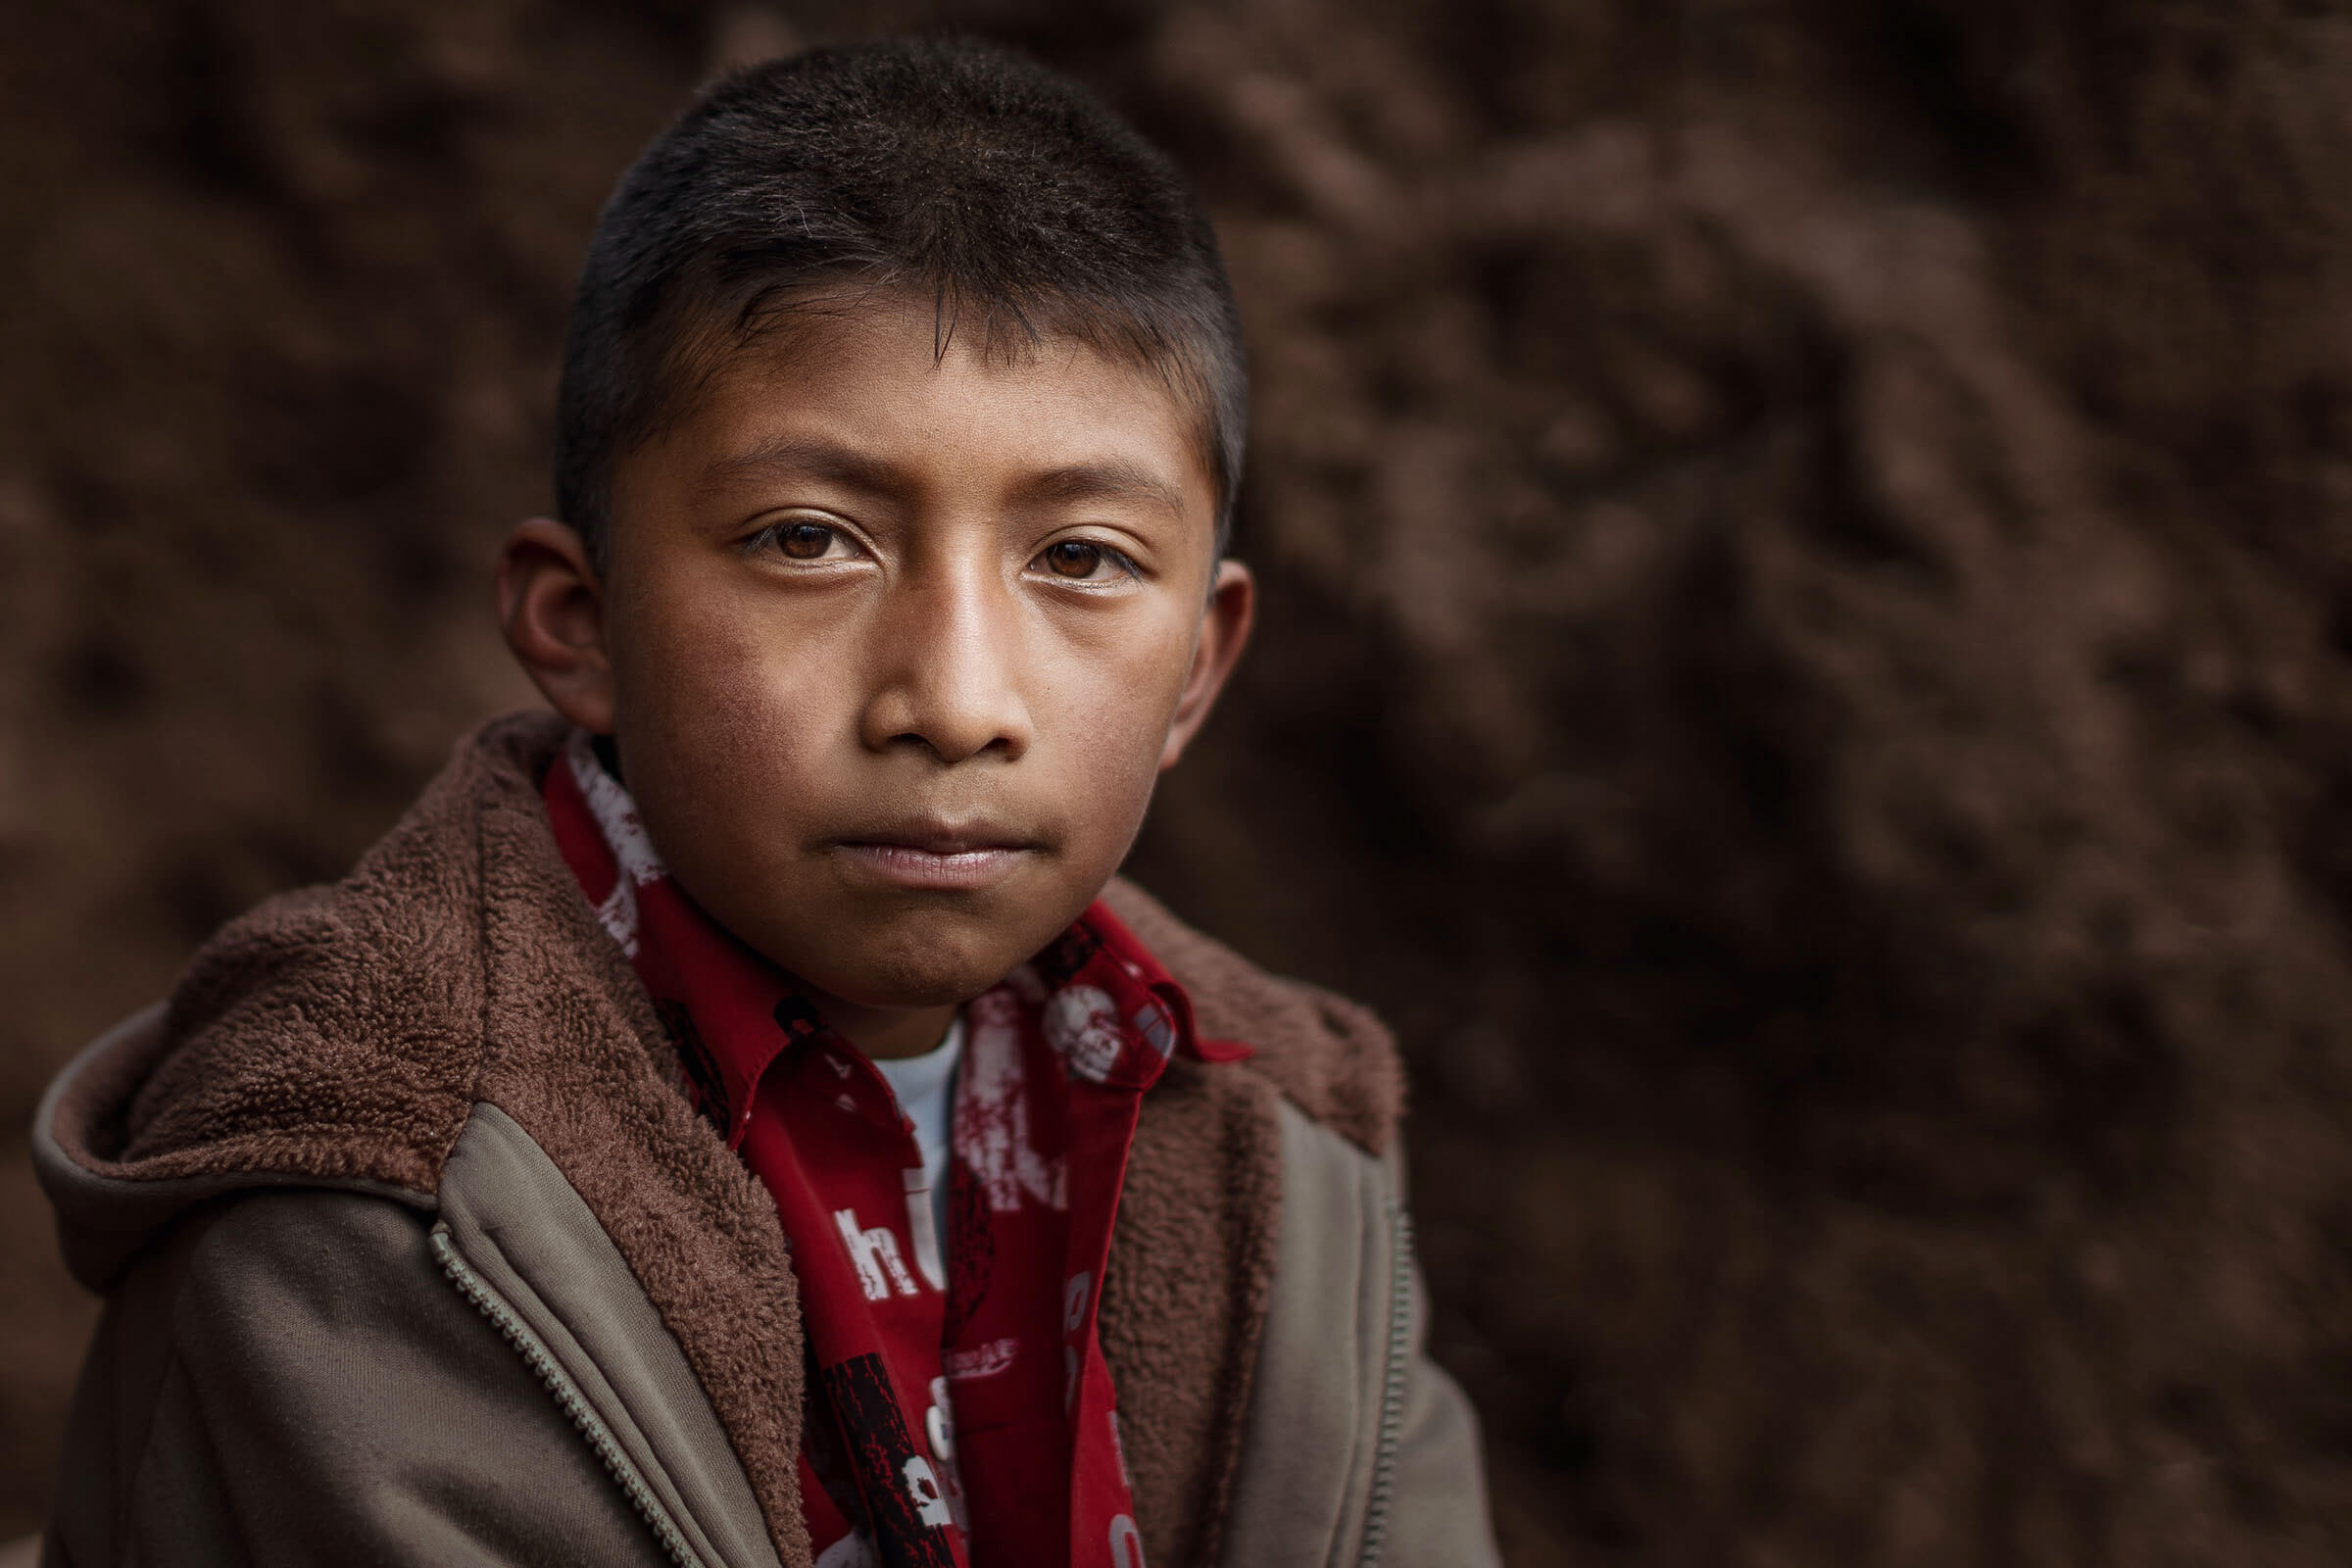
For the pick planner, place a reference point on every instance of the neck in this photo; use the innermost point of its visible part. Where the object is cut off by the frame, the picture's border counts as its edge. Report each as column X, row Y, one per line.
column 887, row 1034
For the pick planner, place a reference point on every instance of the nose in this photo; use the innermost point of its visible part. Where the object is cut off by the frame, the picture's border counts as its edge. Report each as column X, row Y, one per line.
column 947, row 669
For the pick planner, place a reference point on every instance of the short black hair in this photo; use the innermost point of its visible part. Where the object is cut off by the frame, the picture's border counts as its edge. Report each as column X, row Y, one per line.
column 955, row 171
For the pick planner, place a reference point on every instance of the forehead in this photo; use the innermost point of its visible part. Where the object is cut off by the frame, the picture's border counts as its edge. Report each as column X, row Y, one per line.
column 890, row 385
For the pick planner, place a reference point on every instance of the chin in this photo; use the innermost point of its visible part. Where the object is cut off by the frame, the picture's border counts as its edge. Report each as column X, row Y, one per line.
column 914, row 986
column 918, row 969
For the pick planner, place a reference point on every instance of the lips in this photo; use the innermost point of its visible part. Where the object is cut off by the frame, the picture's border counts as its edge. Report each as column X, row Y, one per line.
column 933, row 856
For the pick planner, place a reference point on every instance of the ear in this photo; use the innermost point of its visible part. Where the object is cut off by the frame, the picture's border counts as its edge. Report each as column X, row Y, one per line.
column 551, row 606
column 1224, row 628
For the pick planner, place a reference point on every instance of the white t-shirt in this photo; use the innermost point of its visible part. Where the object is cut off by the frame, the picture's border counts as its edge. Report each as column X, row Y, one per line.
column 925, row 1087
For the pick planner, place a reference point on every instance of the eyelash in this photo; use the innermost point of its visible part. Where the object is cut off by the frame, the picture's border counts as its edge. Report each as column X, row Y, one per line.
column 1111, row 553
column 771, row 538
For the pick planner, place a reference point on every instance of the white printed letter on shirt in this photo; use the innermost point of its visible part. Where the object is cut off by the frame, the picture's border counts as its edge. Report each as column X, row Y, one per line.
column 875, row 1252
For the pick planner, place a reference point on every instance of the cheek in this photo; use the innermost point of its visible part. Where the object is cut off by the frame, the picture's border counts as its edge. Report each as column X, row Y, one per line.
column 712, row 719
column 1115, row 716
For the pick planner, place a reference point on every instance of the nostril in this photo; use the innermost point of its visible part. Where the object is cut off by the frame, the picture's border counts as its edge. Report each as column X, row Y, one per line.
column 944, row 749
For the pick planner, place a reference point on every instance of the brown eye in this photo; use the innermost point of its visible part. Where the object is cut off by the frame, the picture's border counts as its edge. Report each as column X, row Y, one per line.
column 805, row 541
column 1074, row 557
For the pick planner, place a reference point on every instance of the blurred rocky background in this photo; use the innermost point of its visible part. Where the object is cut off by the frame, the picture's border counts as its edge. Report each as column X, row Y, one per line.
column 1807, row 667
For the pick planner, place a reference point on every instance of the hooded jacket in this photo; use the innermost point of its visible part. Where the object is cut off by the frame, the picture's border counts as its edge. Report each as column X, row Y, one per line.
column 413, row 1252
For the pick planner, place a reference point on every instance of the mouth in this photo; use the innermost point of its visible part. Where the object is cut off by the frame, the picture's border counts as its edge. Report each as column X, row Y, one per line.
column 933, row 857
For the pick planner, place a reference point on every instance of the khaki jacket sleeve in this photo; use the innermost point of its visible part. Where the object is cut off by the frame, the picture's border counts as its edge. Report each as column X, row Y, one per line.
column 1437, row 1508
column 1357, row 1451
column 288, row 1379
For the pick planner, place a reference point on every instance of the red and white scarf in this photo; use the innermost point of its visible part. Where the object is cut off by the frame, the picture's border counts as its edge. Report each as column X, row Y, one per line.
column 960, row 1412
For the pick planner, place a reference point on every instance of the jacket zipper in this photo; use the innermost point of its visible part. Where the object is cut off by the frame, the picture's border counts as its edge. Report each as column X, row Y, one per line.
column 1391, row 1391
column 567, row 1397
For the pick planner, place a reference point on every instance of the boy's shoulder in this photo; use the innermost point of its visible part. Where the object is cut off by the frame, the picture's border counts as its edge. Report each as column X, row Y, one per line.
column 361, row 1037
column 1330, row 1057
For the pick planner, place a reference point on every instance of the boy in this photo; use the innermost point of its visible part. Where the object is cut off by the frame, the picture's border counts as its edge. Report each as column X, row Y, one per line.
column 743, row 1120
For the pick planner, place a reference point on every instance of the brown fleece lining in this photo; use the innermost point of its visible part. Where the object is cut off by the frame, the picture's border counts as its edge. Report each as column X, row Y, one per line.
column 1332, row 1058
column 90, row 1123
column 346, row 1032
column 332, row 1031
column 1184, row 1299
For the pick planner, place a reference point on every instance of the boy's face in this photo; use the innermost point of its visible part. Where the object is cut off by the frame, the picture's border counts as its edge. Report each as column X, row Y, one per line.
column 894, row 643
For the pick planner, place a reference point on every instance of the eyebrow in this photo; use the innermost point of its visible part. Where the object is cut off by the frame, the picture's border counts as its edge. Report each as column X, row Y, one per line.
column 1111, row 479
column 813, row 458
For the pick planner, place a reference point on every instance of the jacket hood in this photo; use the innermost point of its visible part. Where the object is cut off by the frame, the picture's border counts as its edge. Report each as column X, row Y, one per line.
column 340, row 1035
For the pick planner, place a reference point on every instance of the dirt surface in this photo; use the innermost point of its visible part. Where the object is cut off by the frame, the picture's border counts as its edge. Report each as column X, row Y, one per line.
column 1807, row 667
